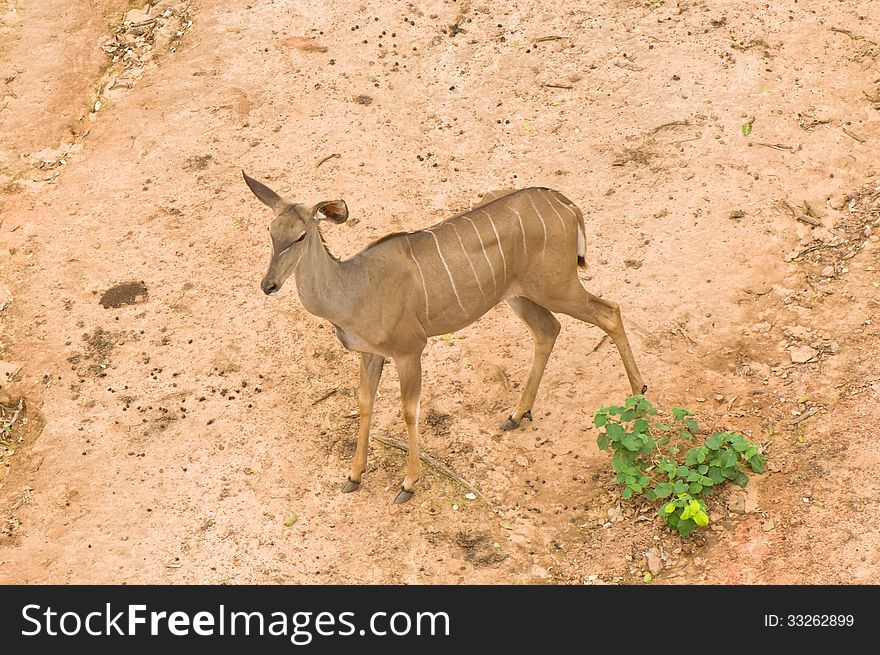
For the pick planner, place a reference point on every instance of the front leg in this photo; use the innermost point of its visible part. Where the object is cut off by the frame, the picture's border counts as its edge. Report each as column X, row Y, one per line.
column 409, row 369
column 371, row 372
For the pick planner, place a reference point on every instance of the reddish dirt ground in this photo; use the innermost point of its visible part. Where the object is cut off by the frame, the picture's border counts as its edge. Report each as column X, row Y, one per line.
column 171, row 427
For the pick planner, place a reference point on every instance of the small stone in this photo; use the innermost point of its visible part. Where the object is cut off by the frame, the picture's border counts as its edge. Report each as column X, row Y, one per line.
column 615, row 513
column 470, row 495
column 828, row 271
column 839, row 201
column 762, row 327
column 768, row 525
column 137, row 15
column 743, row 502
column 802, row 354
column 655, row 564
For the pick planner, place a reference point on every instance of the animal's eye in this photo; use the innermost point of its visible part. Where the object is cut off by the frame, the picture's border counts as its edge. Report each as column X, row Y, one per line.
column 301, row 238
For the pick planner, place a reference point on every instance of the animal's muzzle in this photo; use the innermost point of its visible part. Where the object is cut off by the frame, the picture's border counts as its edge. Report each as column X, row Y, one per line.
column 269, row 287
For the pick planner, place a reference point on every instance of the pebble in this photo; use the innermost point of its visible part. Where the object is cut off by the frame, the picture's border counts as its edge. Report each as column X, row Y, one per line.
column 828, row 271
column 839, row 201
column 768, row 525
column 802, row 354
column 655, row 564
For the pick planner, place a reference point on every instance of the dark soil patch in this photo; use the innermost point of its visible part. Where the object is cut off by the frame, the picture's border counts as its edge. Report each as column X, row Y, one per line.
column 127, row 293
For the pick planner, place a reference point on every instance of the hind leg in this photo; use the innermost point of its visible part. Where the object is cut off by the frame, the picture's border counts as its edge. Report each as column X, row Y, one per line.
column 605, row 314
column 544, row 328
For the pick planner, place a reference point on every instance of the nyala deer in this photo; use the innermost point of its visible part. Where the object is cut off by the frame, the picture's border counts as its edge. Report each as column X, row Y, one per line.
column 523, row 247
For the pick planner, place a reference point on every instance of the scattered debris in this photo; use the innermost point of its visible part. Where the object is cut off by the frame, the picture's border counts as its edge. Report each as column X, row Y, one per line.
column 808, row 414
column 431, row 461
column 335, row 155
column 325, row 396
column 628, row 65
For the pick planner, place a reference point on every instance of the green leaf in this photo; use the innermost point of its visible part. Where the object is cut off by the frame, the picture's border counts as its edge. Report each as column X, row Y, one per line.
column 682, row 471
column 690, row 457
column 747, row 128
column 695, row 488
column 757, row 463
column 527, row 126
column 627, row 416
column 684, row 434
column 291, row 520
column 686, row 527
column 680, row 487
column 678, row 413
column 663, row 490
column 728, row 459
column 702, row 469
column 631, row 442
column 716, row 475
column 600, row 420
column 615, row 431
column 691, row 425
column 641, row 425
column 602, row 440
column 738, row 442
column 631, row 402
column 669, row 508
column 627, row 493
column 701, row 518
column 674, row 450
column 715, row 441
column 741, row 479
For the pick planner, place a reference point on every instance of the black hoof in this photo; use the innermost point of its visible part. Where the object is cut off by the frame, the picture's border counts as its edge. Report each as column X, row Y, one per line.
column 350, row 486
column 509, row 424
column 644, row 389
column 402, row 496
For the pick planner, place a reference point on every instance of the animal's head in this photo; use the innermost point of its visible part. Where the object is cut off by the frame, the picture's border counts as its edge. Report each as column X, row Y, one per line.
column 293, row 229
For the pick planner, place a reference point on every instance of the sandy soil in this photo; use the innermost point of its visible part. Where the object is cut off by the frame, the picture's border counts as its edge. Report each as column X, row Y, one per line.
column 171, row 426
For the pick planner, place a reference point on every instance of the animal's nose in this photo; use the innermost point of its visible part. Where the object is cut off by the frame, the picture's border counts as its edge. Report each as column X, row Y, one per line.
column 269, row 287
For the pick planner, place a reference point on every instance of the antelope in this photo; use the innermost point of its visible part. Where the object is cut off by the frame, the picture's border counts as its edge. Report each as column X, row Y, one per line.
column 521, row 246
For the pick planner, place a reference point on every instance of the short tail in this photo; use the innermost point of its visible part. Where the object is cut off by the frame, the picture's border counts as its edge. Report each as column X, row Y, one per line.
column 582, row 240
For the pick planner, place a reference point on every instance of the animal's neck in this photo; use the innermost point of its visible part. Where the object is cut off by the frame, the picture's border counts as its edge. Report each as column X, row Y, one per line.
column 319, row 280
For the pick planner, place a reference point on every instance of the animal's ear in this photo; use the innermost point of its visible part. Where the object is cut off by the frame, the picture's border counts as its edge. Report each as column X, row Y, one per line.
column 331, row 210
column 264, row 193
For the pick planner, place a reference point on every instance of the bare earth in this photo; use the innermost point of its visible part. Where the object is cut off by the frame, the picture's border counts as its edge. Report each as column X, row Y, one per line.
column 172, row 425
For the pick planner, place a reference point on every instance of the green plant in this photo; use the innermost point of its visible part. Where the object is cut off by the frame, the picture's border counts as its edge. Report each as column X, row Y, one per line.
column 652, row 459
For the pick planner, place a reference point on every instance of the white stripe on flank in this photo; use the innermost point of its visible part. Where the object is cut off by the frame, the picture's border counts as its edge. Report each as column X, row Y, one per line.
column 544, row 225
column 521, row 229
column 491, row 268
column 558, row 215
column 498, row 239
column 418, row 266
column 448, row 272
column 468, row 257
